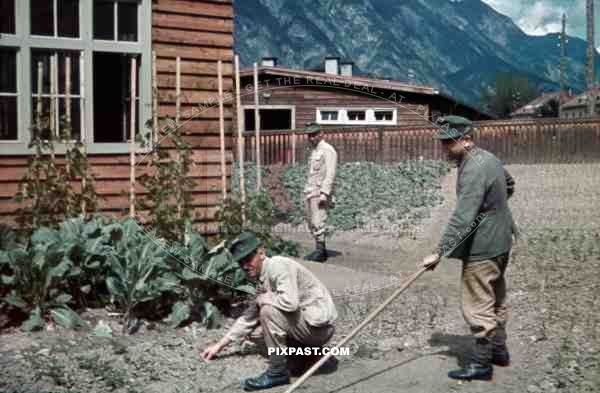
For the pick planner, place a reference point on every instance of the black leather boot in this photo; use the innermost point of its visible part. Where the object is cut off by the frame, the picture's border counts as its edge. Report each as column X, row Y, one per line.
column 269, row 379
column 320, row 253
column 500, row 355
column 478, row 366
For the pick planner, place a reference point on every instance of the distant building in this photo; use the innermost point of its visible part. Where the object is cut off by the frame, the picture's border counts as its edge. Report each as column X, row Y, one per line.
column 335, row 97
column 577, row 107
column 536, row 108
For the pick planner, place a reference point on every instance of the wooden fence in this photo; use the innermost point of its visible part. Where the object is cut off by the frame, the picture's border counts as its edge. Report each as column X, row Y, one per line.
column 515, row 142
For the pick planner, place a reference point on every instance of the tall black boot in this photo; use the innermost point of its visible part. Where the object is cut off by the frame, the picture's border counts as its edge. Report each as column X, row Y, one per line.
column 479, row 365
column 500, row 355
column 277, row 374
column 320, row 253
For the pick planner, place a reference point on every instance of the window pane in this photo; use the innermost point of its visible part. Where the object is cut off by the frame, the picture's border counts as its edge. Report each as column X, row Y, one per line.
column 384, row 115
column 127, row 14
column 7, row 16
column 356, row 115
column 42, row 17
column 62, row 70
column 111, row 100
column 8, row 76
column 68, row 18
column 104, row 20
column 329, row 115
column 75, row 118
column 8, row 118
column 43, row 56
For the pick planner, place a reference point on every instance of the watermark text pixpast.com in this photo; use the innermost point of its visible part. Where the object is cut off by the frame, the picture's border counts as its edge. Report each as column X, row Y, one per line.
column 309, row 351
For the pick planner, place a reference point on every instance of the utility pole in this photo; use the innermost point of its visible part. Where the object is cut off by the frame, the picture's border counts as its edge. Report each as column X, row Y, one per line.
column 590, row 56
column 563, row 42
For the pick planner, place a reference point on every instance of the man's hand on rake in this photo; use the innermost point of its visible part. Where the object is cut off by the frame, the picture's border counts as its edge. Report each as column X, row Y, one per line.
column 430, row 262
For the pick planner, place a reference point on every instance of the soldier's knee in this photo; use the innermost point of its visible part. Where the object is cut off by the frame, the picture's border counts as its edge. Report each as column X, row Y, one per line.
column 267, row 312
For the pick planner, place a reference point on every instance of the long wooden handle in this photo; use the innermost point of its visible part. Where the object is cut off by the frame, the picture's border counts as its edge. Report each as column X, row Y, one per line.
column 356, row 330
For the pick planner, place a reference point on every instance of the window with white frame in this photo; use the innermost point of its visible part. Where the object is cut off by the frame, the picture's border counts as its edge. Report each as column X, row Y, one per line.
column 54, row 18
column 329, row 115
column 115, row 20
column 56, row 99
column 67, row 64
column 356, row 116
column 383, row 115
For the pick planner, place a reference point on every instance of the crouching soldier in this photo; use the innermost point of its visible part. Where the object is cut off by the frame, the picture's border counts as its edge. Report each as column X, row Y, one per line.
column 480, row 234
column 319, row 189
column 292, row 305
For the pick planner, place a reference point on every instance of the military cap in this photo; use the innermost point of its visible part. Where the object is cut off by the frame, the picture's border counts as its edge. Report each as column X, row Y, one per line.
column 312, row 128
column 453, row 127
column 243, row 246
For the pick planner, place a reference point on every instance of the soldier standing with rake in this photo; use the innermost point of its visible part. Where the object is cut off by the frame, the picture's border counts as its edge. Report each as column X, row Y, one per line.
column 480, row 234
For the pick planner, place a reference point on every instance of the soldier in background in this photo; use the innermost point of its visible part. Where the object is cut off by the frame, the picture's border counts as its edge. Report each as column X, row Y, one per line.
column 319, row 189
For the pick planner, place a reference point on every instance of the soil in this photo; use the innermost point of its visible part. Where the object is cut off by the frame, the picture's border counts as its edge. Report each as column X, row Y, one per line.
column 554, row 328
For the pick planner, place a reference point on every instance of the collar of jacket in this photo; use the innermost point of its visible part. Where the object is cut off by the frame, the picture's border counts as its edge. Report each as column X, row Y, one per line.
column 263, row 270
column 469, row 156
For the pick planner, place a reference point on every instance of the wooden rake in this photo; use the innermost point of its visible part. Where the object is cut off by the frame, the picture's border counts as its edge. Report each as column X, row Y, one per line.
column 357, row 329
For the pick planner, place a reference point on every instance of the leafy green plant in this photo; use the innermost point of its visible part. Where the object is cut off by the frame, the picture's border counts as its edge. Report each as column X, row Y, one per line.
column 46, row 189
column 138, row 270
column 259, row 211
column 169, row 188
column 38, row 281
column 208, row 277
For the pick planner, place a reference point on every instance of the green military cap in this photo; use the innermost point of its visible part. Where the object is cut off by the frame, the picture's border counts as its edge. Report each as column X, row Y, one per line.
column 243, row 246
column 312, row 128
column 453, row 127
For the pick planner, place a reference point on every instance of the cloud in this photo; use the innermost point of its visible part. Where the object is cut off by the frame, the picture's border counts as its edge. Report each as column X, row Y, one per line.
column 539, row 17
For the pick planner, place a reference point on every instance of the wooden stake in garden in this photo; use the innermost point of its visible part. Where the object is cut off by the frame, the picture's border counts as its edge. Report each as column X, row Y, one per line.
column 222, row 130
column 133, row 77
column 177, row 117
column 53, row 77
column 68, row 107
column 39, row 102
column 82, row 132
column 241, row 141
column 154, row 106
column 257, row 127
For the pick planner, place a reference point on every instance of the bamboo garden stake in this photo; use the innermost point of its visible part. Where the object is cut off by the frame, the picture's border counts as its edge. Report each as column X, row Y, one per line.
column 222, row 130
column 133, row 94
column 241, row 141
column 257, row 128
column 82, row 132
column 177, row 117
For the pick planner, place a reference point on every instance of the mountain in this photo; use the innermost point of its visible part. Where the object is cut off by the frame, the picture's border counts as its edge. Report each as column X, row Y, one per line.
column 457, row 46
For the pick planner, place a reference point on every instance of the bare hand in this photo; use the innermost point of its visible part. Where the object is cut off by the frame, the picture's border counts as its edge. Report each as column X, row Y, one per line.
column 262, row 299
column 430, row 262
column 323, row 201
column 210, row 352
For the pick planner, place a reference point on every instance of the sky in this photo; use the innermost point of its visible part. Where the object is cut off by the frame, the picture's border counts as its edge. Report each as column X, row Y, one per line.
column 538, row 17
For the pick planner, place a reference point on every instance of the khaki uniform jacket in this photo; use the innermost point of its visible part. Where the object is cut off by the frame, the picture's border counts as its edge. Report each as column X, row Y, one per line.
column 290, row 287
column 322, row 166
column 481, row 226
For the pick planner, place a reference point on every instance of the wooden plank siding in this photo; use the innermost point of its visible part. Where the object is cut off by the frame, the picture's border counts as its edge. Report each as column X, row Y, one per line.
column 201, row 33
column 308, row 98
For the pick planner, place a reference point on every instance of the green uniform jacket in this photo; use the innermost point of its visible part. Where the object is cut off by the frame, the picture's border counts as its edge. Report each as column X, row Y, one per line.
column 481, row 226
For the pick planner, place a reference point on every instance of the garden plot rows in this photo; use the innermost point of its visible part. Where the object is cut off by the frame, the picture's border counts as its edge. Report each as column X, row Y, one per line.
column 554, row 326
